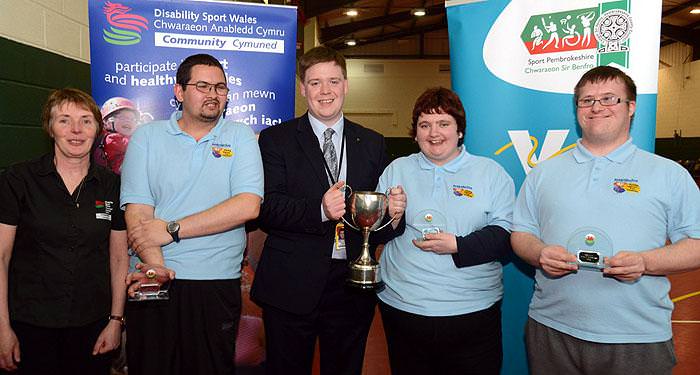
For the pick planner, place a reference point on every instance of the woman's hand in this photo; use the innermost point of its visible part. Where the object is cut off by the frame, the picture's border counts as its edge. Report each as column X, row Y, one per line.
column 439, row 243
column 9, row 349
column 109, row 338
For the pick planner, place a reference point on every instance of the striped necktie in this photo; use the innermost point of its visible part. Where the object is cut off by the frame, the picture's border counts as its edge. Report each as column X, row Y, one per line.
column 329, row 153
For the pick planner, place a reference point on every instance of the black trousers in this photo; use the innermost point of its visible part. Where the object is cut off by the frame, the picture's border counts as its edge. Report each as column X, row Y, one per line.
column 60, row 351
column 341, row 323
column 192, row 333
column 460, row 344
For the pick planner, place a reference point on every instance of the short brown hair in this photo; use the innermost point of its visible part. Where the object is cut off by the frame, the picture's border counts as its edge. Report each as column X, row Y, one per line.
column 69, row 95
column 604, row 74
column 319, row 55
column 440, row 100
column 184, row 71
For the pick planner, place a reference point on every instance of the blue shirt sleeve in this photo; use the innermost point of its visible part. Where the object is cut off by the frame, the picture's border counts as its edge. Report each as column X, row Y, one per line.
column 525, row 213
column 684, row 210
column 503, row 199
column 135, row 186
column 384, row 181
column 247, row 175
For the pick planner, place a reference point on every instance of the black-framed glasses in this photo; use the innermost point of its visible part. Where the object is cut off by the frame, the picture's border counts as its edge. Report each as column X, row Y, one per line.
column 606, row 101
column 205, row 87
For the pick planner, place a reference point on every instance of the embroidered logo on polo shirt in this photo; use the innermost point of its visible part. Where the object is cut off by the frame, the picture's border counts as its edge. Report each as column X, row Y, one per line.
column 221, row 150
column 621, row 185
column 463, row 191
column 104, row 210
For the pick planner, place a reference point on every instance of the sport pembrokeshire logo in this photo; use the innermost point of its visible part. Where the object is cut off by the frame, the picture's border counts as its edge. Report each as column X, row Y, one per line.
column 605, row 28
column 124, row 29
column 562, row 31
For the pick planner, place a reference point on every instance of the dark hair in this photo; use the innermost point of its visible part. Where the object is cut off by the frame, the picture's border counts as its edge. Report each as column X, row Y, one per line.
column 318, row 55
column 604, row 74
column 69, row 95
column 440, row 100
column 184, row 71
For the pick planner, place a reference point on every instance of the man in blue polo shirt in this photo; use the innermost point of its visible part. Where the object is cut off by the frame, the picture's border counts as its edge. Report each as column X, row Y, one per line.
column 605, row 195
column 188, row 186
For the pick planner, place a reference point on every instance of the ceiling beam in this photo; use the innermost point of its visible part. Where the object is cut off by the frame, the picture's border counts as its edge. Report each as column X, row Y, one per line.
column 387, row 10
column 334, row 32
column 681, row 34
column 421, row 36
column 679, row 8
column 313, row 8
column 667, row 42
column 396, row 35
column 684, row 35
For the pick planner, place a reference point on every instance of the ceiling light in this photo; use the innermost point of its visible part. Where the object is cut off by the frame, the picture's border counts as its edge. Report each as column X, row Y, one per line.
column 695, row 11
column 351, row 12
column 419, row 12
column 351, row 42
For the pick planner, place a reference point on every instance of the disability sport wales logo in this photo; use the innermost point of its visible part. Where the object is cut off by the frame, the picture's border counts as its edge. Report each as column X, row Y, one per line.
column 124, row 28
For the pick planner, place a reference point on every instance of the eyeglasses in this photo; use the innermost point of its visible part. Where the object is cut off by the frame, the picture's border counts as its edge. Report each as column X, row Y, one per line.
column 205, row 87
column 606, row 101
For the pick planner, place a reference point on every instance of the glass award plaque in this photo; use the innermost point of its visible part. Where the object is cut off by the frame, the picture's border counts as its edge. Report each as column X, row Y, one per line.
column 427, row 222
column 155, row 287
column 591, row 246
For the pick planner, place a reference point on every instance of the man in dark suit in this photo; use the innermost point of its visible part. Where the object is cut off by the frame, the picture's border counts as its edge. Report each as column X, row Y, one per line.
column 300, row 281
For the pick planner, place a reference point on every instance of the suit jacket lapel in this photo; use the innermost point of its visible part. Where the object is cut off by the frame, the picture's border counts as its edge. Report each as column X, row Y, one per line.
column 309, row 144
column 353, row 151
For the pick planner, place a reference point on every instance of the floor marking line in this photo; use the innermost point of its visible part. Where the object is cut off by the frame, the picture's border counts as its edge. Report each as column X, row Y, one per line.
column 685, row 296
column 686, row 321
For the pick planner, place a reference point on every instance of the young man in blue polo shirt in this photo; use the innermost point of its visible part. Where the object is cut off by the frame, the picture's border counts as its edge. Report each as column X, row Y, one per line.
column 188, row 185
column 606, row 190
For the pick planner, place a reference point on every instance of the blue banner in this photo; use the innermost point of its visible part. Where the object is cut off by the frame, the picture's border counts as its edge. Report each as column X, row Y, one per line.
column 137, row 45
column 514, row 64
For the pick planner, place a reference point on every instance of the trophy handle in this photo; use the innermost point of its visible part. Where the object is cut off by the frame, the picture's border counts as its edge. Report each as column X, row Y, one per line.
column 387, row 193
column 346, row 186
column 378, row 229
column 387, row 223
column 350, row 225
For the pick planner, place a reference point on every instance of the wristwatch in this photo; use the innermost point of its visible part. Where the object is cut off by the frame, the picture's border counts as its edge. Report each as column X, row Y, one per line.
column 118, row 318
column 173, row 228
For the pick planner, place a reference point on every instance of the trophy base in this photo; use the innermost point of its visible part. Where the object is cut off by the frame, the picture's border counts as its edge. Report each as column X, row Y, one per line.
column 368, row 286
column 150, row 292
column 365, row 276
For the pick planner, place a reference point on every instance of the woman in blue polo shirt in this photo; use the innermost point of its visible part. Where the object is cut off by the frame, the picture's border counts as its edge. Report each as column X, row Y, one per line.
column 63, row 250
column 441, row 305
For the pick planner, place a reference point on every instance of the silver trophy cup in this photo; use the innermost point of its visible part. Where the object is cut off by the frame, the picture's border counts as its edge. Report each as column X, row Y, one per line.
column 367, row 209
